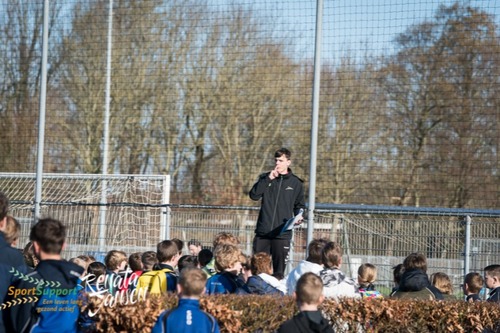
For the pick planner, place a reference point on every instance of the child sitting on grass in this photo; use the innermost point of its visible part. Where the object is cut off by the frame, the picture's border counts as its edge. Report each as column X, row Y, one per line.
column 228, row 264
column 261, row 281
column 443, row 283
column 336, row 283
column 367, row 274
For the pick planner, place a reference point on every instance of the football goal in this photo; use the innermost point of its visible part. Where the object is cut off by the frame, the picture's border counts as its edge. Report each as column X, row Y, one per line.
column 132, row 214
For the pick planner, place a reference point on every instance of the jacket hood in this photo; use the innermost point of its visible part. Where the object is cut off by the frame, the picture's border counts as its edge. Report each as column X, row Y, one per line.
column 306, row 266
column 65, row 272
column 414, row 280
column 333, row 276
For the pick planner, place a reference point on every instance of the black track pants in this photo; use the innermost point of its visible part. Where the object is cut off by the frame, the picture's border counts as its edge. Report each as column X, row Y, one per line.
column 277, row 248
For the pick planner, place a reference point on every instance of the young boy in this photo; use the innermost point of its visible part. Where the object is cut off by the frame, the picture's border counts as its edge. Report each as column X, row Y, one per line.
column 205, row 257
column 187, row 316
column 309, row 295
column 149, row 260
column 115, row 262
column 163, row 278
column 54, row 284
column 336, row 283
column 473, row 283
column 134, row 272
column 397, row 273
column 261, row 281
column 228, row 264
column 186, row 261
column 414, row 282
column 219, row 239
column 93, row 284
column 492, row 281
column 313, row 263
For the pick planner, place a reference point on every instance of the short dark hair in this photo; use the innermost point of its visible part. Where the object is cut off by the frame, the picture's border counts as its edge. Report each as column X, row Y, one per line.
column 474, row 281
column 283, row 151
column 166, row 250
column 415, row 261
column 314, row 249
column 149, row 259
column 96, row 268
column 194, row 242
column 187, row 261
column 332, row 255
column 179, row 243
column 493, row 270
column 397, row 273
column 4, row 205
column 135, row 262
column 204, row 257
column 50, row 234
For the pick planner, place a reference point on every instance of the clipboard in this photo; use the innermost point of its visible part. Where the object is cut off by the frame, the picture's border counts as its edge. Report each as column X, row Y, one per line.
column 291, row 222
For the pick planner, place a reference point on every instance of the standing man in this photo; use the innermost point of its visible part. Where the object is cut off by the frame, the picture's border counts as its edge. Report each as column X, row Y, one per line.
column 282, row 197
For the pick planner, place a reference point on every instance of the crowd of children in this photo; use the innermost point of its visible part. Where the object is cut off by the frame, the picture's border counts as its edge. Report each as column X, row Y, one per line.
column 60, row 287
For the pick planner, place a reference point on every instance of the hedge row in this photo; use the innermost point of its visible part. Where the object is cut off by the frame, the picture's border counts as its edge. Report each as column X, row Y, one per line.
column 265, row 313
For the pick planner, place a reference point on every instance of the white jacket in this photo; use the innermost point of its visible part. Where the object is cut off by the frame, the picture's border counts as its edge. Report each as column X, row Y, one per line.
column 278, row 284
column 303, row 267
column 336, row 284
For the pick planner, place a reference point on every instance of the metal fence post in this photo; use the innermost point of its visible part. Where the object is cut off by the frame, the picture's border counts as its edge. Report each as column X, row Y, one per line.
column 467, row 242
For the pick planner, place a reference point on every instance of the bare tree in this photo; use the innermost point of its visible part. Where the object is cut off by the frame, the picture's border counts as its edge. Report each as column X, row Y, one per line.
column 441, row 111
column 145, row 124
column 349, row 127
column 237, row 98
column 20, row 53
column 469, row 138
column 416, row 102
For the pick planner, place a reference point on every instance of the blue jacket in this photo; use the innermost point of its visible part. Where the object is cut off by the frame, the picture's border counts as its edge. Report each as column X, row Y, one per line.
column 226, row 283
column 257, row 285
column 186, row 317
column 171, row 278
column 11, row 265
column 494, row 295
column 54, row 283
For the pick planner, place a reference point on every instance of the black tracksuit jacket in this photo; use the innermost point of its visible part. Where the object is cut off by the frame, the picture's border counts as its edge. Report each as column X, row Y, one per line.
column 282, row 198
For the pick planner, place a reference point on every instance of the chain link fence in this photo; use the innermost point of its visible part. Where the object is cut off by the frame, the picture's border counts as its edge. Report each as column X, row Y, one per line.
column 379, row 236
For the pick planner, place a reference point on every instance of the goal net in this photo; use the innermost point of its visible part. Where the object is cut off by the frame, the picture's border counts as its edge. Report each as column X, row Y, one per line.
column 131, row 216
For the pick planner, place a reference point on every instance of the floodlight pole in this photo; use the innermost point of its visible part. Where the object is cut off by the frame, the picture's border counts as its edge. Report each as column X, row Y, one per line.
column 105, row 145
column 314, row 125
column 41, row 117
